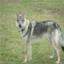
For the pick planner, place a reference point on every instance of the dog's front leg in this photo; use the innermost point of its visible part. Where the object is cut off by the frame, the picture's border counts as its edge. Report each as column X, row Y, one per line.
column 28, row 56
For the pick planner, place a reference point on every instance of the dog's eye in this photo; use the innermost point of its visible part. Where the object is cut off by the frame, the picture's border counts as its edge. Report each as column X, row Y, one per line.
column 22, row 20
column 17, row 20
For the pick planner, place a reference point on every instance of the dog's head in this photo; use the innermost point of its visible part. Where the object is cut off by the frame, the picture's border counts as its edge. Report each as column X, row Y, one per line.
column 20, row 23
column 20, row 20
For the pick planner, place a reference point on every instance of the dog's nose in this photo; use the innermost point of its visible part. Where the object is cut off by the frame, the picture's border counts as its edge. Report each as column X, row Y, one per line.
column 20, row 26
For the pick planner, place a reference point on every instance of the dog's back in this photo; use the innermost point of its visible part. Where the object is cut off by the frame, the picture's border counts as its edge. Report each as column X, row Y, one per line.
column 40, row 28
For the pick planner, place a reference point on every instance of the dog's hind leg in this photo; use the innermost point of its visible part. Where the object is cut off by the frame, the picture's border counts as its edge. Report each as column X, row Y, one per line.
column 55, row 43
column 51, row 41
column 56, row 47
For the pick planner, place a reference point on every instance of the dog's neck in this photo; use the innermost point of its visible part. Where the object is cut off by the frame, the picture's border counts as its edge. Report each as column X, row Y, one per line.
column 25, row 26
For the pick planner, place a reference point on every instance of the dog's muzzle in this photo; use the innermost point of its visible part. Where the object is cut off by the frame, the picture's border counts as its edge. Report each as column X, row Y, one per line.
column 20, row 26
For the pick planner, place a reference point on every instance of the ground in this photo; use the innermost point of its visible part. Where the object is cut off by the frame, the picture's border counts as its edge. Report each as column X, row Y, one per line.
column 11, row 43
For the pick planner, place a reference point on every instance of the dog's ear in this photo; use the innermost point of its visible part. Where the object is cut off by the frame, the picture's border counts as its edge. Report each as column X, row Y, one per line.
column 20, row 14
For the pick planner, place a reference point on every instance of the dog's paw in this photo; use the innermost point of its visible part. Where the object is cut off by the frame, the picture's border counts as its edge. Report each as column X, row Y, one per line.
column 51, row 57
column 25, row 61
column 58, row 62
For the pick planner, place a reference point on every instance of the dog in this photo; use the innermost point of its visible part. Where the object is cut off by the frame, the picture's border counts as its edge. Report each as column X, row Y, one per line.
column 31, row 29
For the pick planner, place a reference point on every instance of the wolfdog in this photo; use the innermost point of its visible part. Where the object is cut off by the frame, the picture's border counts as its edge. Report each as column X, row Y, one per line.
column 31, row 29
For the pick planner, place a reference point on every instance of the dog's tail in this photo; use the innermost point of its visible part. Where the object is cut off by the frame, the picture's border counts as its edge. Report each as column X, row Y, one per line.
column 61, row 39
column 59, row 36
column 62, row 42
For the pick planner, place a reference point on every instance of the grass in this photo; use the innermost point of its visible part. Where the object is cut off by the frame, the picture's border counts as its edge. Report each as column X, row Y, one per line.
column 11, row 44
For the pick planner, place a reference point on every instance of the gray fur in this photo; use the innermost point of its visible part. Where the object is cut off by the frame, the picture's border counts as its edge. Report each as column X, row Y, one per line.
column 31, row 29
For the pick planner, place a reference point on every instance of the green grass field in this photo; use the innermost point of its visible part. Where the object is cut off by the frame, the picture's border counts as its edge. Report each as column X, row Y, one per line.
column 11, row 44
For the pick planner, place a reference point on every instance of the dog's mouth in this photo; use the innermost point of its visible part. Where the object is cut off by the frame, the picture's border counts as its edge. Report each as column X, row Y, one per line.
column 23, row 29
